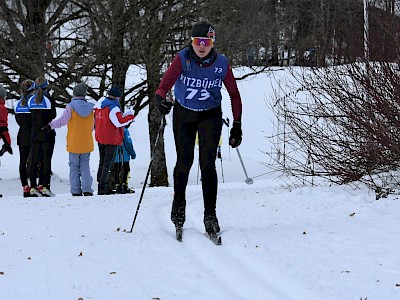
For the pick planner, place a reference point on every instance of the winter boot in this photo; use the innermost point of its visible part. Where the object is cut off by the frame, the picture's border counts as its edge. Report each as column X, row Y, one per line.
column 126, row 190
column 178, row 211
column 211, row 223
column 40, row 188
column 34, row 192
column 26, row 190
column 47, row 193
column 104, row 190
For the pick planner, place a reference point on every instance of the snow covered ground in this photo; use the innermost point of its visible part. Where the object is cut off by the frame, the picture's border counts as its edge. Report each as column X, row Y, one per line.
column 311, row 243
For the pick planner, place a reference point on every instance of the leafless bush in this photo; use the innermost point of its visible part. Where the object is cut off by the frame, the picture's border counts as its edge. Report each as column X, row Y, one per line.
column 340, row 124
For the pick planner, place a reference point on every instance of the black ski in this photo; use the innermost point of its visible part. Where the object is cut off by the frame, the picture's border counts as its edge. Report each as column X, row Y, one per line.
column 215, row 238
column 179, row 234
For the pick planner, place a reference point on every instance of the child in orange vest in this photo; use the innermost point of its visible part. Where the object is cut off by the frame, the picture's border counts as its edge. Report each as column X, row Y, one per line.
column 79, row 117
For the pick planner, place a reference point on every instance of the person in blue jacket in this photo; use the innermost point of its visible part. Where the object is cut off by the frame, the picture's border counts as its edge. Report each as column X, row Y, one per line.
column 24, row 121
column 121, row 168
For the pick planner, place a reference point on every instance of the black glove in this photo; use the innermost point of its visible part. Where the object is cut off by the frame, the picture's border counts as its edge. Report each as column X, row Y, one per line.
column 6, row 147
column 163, row 105
column 235, row 139
column 46, row 128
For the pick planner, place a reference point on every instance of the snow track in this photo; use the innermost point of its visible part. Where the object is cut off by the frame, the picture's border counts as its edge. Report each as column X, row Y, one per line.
column 231, row 276
column 275, row 246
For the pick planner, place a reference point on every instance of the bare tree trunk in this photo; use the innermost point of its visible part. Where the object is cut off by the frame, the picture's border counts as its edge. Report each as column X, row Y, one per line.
column 159, row 173
column 37, row 33
column 120, row 61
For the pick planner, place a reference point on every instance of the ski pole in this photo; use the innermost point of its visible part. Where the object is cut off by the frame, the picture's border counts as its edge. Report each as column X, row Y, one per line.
column 220, row 157
column 248, row 180
column 222, row 170
column 226, row 122
column 162, row 125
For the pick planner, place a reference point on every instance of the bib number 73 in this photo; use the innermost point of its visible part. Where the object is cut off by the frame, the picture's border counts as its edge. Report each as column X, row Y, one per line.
column 191, row 93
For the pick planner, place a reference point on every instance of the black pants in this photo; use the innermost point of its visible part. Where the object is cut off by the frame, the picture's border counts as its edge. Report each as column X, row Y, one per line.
column 40, row 157
column 208, row 125
column 107, row 155
column 52, row 142
column 119, row 170
column 119, row 173
column 23, row 164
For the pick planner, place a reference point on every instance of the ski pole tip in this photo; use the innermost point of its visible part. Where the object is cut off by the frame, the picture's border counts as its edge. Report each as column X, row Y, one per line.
column 249, row 181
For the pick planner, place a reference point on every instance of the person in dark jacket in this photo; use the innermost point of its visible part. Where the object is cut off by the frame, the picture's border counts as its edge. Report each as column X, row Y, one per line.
column 198, row 72
column 109, row 133
column 24, row 120
column 42, row 113
column 4, row 134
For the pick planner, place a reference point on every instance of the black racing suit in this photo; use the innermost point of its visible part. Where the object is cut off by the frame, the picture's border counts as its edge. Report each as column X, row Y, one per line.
column 208, row 125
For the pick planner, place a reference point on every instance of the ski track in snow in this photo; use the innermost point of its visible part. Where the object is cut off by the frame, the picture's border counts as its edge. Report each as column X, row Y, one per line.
column 248, row 265
column 245, row 281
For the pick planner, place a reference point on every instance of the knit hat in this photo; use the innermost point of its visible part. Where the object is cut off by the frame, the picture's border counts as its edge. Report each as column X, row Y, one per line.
column 203, row 29
column 3, row 91
column 114, row 91
column 80, row 90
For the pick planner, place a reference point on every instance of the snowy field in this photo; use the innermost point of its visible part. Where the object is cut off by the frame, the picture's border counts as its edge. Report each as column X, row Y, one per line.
column 330, row 243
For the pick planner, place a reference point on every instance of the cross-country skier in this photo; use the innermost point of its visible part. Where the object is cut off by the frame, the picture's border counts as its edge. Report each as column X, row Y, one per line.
column 198, row 72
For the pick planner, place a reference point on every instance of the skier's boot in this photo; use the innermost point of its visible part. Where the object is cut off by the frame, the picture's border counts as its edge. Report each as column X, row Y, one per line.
column 126, row 190
column 211, row 223
column 47, row 193
column 34, row 192
column 178, row 211
column 26, row 191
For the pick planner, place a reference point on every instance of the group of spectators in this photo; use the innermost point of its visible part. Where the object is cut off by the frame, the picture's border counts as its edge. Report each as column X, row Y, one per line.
column 35, row 114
